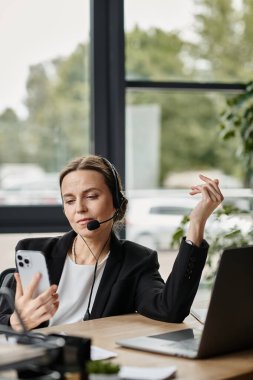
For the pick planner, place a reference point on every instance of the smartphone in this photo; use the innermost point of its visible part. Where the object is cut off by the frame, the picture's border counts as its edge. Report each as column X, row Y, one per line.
column 31, row 262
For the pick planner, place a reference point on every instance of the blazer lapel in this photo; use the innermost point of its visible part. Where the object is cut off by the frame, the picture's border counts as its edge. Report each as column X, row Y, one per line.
column 57, row 259
column 110, row 275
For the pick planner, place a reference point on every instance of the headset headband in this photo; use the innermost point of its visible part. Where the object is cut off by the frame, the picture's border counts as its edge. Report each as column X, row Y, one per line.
column 117, row 195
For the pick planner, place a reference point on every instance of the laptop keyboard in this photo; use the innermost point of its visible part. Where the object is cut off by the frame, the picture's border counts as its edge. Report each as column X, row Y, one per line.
column 189, row 344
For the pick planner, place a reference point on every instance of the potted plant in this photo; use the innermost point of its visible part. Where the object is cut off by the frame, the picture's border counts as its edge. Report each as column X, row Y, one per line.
column 102, row 370
column 233, row 228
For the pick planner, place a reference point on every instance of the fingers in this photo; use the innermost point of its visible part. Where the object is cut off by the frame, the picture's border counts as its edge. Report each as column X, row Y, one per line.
column 14, row 322
column 48, row 315
column 34, row 311
column 49, row 295
column 33, row 319
column 209, row 189
column 195, row 190
column 207, row 195
column 42, row 308
column 206, row 179
column 48, row 309
column 213, row 188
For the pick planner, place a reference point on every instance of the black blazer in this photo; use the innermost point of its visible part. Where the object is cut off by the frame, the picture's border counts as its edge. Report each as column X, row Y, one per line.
column 131, row 281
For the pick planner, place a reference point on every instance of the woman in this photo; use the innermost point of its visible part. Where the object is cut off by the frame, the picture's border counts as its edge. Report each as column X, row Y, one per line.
column 93, row 273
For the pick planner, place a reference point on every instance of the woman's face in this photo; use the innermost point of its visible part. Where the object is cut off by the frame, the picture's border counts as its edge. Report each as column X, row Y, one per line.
column 87, row 197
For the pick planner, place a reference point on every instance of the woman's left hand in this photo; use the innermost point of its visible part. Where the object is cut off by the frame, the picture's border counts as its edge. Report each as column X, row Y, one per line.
column 211, row 199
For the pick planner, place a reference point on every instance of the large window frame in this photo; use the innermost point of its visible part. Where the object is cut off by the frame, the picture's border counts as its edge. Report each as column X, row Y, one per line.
column 108, row 87
column 107, row 118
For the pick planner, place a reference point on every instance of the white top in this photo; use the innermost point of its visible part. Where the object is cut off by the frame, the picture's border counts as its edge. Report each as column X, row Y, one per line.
column 74, row 291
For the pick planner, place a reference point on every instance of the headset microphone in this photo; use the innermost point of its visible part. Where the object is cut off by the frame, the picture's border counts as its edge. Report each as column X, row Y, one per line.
column 95, row 224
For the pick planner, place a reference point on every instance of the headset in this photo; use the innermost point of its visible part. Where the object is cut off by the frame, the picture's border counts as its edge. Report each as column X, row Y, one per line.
column 117, row 194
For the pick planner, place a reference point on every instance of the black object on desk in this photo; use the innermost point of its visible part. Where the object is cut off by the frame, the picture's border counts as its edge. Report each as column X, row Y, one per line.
column 74, row 355
column 56, row 353
column 71, row 357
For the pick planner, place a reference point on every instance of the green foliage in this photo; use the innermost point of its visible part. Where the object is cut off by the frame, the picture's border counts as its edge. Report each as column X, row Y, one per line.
column 12, row 142
column 224, row 34
column 179, row 232
column 102, row 366
column 57, row 126
column 57, row 101
column 237, row 121
column 234, row 236
column 153, row 54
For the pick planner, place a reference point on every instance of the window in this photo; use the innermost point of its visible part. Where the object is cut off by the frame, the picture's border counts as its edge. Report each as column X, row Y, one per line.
column 178, row 51
column 44, row 111
column 44, row 96
column 182, row 139
column 184, row 60
column 189, row 40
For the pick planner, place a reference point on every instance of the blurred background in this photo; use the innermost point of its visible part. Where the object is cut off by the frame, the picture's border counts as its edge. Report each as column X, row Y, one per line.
column 183, row 62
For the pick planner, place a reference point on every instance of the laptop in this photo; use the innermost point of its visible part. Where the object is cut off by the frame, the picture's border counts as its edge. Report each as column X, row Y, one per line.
column 199, row 314
column 228, row 325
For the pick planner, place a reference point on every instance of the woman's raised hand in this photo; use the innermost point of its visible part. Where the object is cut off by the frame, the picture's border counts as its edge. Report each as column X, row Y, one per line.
column 211, row 199
column 33, row 311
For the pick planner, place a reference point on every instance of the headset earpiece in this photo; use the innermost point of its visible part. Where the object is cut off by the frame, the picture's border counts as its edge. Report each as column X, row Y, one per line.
column 117, row 195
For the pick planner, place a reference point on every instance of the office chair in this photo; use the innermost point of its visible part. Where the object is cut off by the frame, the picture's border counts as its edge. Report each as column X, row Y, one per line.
column 5, row 276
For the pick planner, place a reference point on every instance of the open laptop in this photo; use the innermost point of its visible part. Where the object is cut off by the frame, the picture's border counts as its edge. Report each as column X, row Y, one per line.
column 229, row 321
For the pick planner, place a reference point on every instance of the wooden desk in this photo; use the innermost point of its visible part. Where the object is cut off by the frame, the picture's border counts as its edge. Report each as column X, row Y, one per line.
column 17, row 355
column 104, row 332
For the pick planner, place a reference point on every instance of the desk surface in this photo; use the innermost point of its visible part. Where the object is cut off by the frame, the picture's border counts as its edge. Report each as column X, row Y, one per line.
column 16, row 355
column 104, row 332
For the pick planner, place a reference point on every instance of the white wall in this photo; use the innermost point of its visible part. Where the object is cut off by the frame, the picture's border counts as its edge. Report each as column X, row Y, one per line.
column 143, row 123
